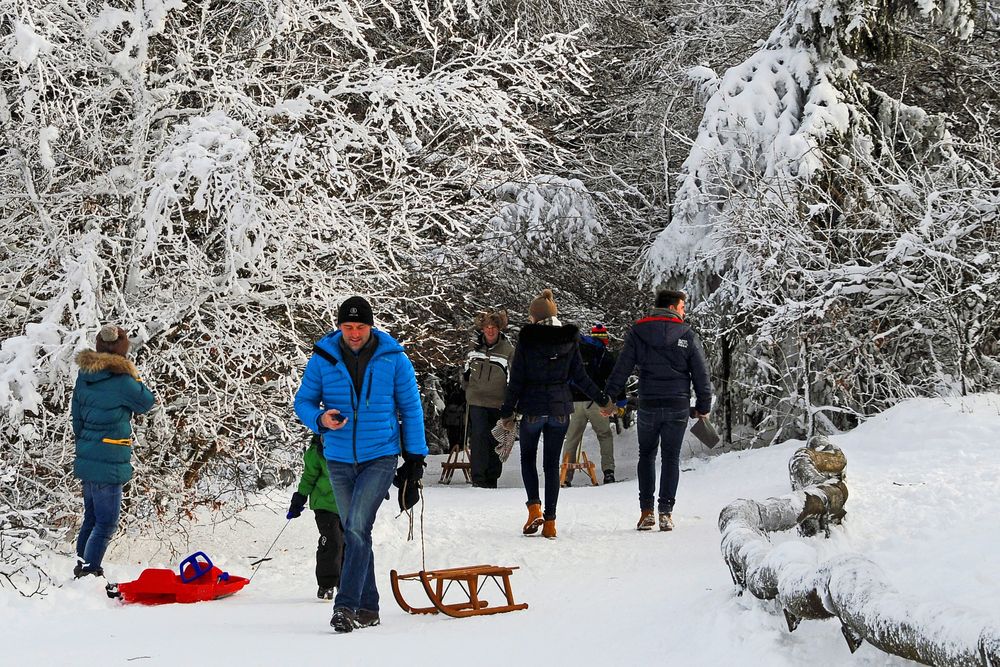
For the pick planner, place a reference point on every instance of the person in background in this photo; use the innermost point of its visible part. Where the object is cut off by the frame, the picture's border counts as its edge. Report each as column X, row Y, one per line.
column 670, row 359
column 599, row 361
column 485, row 375
column 359, row 392
column 108, row 392
column 314, row 486
column 546, row 360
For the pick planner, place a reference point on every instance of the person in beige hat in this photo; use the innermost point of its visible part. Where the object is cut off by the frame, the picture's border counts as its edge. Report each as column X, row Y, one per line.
column 547, row 358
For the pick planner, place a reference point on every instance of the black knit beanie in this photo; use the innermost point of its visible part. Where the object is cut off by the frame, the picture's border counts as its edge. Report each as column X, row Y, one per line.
column 355, row 309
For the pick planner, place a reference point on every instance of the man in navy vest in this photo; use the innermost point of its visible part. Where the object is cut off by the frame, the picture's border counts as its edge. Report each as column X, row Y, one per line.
column 670, row 359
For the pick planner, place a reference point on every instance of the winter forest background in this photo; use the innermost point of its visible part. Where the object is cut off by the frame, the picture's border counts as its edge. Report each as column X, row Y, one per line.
column 216, row 176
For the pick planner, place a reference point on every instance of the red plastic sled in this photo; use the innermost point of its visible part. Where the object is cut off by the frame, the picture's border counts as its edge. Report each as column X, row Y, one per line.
column 198, row 581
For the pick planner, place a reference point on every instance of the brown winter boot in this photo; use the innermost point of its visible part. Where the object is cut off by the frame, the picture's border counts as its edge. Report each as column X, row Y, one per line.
column 549, row 529
column 535, row 519
column 666, row 521
column 646, row 520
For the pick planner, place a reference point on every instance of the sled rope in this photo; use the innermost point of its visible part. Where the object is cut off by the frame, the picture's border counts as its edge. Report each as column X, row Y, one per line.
column 260, row 562
column 409, row 516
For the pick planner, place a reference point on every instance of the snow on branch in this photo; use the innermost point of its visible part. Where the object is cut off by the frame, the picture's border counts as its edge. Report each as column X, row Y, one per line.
column 848, row 587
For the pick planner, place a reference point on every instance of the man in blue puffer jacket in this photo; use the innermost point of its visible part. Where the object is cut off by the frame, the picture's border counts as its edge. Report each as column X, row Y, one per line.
column 108, row 392
column 359, row 392
column 670, row 359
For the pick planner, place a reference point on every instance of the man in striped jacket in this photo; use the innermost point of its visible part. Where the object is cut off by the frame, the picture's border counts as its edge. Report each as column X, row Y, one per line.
column 486, row 383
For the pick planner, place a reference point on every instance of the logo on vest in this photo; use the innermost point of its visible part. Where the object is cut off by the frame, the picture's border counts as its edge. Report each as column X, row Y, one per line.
column 682, row 343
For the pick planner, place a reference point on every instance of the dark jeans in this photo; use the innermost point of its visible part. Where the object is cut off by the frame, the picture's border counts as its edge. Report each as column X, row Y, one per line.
column 553, row 430
column 330, row 550
column 359, row 490
column 486, row 465
column 661, row 429
column 102, row 503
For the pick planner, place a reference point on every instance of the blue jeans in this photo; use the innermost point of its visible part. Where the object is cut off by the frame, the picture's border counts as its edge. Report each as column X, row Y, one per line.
column 661, row 429
column 102, row 503
column 553, row 428
column 359, row 490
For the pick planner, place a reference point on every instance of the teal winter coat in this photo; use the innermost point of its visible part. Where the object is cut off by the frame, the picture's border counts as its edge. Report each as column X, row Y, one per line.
column 108, row 392
column 385, row 419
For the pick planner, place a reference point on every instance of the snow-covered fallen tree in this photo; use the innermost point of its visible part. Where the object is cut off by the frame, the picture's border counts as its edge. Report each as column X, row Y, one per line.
column 848, row 587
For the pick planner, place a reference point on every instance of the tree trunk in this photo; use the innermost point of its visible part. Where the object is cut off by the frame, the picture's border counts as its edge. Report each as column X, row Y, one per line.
column 848, row 587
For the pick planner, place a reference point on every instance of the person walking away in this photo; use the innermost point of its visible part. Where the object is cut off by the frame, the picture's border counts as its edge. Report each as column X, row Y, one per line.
column 359, row 393
column 486, row 368
column 546, row 360
column 314, row 486
column 599, row 362
column 670, row 359
column 107, row 393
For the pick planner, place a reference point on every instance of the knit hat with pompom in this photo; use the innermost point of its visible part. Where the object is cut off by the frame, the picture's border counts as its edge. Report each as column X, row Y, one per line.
column 112, row 339
column 543, row 306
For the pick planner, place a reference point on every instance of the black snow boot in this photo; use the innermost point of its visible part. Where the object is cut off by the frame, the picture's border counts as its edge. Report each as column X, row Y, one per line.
column 326, row 593
column 609, row 476
column 367, row 618
column 343, row 620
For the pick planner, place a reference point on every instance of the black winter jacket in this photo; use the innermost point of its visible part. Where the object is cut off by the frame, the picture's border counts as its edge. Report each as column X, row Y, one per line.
column 670, row 358
column 598, row 361
column 547, row 358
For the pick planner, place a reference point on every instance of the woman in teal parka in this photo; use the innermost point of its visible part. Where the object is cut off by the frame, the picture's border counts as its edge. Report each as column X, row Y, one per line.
column 108, row 392
column 315, row 486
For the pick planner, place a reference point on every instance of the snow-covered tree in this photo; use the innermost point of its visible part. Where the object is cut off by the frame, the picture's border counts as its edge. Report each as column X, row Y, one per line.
column 216, row 178
column 837, row 242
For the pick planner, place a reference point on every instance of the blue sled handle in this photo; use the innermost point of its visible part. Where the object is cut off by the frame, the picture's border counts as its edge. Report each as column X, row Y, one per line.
column 197, row 568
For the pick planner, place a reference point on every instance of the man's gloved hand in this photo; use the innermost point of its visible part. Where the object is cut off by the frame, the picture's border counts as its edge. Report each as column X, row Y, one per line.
column 296, row 507
column 413, row 467
column 622, row 403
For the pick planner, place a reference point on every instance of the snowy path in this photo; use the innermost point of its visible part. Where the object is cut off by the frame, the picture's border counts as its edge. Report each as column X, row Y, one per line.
column 923, row 505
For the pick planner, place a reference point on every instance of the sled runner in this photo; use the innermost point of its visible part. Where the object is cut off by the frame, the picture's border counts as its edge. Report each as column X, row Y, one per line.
column 198, row 580
column 437, row 583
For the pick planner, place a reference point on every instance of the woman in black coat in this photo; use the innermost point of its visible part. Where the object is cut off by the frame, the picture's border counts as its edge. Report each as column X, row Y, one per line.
column 547, row 358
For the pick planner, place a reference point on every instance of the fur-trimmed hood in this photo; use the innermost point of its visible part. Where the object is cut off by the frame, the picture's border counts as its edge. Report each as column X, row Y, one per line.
column 90, row 361
column 543, row 334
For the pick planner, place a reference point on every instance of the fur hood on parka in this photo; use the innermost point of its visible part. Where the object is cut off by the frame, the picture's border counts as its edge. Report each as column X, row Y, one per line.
column 90, row 361
column 543, row 334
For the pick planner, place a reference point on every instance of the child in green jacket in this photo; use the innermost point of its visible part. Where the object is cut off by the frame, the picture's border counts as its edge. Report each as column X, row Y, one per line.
column 315, row 484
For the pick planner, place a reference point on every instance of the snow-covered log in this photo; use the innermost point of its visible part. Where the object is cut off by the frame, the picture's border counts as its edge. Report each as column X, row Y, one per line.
column 848, row 587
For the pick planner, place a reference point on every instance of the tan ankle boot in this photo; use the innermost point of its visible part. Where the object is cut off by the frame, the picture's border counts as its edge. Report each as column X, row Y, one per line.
column 646, row 520
column 549, row 529
column 535, row 519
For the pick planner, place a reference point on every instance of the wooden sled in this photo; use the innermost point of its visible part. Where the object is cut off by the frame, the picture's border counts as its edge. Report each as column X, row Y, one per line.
column 458, row 459
column 437, row 583
column 584, row 464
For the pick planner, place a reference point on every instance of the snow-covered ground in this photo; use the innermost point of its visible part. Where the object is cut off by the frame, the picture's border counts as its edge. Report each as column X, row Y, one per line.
column 923, row 506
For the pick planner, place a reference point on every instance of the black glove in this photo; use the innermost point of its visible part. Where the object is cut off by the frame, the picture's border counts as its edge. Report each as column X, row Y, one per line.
column 413, row 464
column 298, row 504
column 407, row 480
